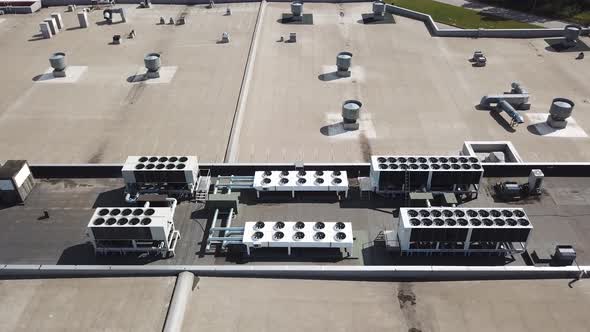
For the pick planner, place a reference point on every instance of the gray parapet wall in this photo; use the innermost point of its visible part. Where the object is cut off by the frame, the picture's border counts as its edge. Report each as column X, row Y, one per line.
column 66, row 171
column 477, row 33
column 425, row 273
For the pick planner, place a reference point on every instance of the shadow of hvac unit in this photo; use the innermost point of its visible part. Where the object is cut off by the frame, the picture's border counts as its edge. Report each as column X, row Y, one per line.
column 458, row 174
column 463, row 230
column 170, row 175
column 134, row 230
column 16, row 181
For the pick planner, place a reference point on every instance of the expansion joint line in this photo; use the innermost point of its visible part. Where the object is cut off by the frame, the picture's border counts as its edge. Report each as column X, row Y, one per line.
column 234, row 133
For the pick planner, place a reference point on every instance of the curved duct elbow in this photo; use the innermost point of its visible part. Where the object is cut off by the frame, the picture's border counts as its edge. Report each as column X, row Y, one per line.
column 503, row 105
column 517, row 88
column 486, row 101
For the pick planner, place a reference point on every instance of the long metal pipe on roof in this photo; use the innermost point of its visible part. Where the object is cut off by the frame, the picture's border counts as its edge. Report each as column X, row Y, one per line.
column 180, row 297
column 213, row 229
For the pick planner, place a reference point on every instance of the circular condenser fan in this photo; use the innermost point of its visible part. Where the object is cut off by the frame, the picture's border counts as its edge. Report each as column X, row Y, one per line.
column 319, row 236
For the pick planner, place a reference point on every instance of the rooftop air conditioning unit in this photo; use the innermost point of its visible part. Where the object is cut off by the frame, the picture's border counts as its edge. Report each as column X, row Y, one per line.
column 393, row 172
column 174, row 171
column 470, row 225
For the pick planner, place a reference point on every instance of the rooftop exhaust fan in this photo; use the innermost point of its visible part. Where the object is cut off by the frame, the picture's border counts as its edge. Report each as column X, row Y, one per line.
column 152, row 63
column 340, row 236
column 319, row 225
column 319, row 236
column 58, row 63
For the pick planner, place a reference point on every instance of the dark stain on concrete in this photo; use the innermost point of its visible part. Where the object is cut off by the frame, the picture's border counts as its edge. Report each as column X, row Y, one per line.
column 366, row 149
column 407, row 303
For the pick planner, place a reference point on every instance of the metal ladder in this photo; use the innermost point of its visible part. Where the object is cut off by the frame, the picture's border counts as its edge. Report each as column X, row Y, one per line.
column 379, row 240
column 203, row 184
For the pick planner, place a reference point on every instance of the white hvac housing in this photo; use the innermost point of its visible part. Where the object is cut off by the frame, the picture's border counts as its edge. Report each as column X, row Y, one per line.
column 502, row 230
column 131, row 229
column 16, row 181
column 295, row 181
column 160, row 174
column 433, row 173
column 298, row 234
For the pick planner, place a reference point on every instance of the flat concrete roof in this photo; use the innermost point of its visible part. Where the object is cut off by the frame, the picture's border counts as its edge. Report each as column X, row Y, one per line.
column 419, row 93
column 229, row 304
column 285, row 305
column 93, row 304
column 558, row 216
column 102, row 117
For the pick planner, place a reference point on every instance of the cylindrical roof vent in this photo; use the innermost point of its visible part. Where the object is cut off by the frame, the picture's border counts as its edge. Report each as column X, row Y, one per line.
column 152, row 62
column 58, row 61
column 561, row 108
column 351, row 110
column 343, row 62
column 296, row 8
column 571, row 33
column 378, row 9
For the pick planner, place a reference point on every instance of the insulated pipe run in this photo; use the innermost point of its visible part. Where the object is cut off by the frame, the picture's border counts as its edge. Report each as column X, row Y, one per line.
column 230, row 217
column 213, row 229
column 180, row 297
column 226, row 238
